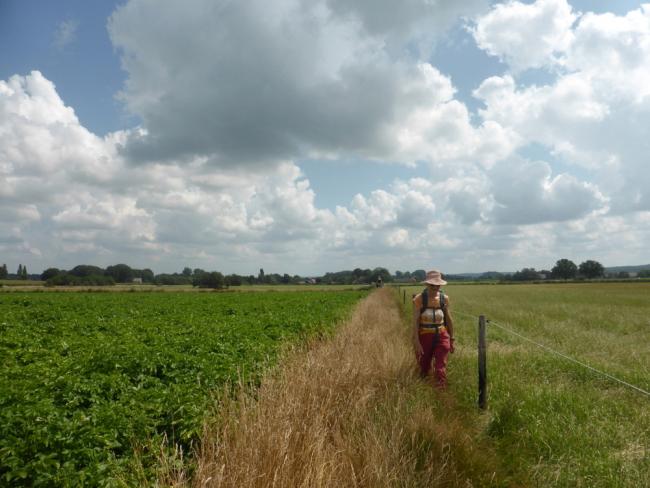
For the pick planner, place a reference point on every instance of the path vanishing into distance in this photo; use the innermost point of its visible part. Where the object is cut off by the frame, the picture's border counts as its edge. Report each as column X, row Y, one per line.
column 349, row 410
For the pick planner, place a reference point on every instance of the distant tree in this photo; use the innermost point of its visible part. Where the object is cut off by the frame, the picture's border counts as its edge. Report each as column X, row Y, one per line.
column 591, row 269
column 491, row 275
column 347, row 277
column 526, row 274
column 86, row 270
column 211, row 280
column 564, row 269
column 50, row 273
column 197, row 272
column 121, row 273
column 286, row 279
column 251, row 279
column 172, row 279
column 260, row 276
column 419, row 274
column 67, row 279
column 187, row 271
column 23, row 276
column 19, row 272
column 233, row 280
column 623, row 275
column 147, row 275
column 382, row 273
column 644, row 273
column 272, row 279
column 3, row 272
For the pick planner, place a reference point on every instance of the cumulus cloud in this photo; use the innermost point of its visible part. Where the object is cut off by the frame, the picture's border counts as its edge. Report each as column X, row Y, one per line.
column 594, row 115
column 613, row 52
column 77, row 197
column 71, row 190
column 413, row 22
column 229, row 100
column 306, row 79
column 525, row 192
column 526, row 36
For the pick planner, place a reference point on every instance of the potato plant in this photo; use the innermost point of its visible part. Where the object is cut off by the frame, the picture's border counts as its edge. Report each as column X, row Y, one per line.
column 89, row 379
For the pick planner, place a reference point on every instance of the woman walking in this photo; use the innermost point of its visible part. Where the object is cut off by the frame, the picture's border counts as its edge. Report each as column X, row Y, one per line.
column 433, row 328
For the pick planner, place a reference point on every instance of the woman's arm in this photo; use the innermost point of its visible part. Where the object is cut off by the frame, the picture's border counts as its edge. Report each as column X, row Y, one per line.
column 449, row 323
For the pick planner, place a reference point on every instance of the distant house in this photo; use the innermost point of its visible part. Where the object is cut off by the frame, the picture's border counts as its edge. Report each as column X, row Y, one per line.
column 137, row 280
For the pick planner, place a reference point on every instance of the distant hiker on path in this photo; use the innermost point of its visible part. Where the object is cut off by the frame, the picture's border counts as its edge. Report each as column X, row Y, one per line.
column 433, row 328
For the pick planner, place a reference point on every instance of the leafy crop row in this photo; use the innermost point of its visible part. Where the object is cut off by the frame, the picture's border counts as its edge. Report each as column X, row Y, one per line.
column 86, row 378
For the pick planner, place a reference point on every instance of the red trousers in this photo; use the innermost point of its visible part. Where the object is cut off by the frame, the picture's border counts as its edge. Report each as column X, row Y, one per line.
column 436, row 347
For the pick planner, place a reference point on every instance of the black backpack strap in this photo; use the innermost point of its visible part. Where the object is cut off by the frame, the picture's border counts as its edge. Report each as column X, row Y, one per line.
column 425, row 300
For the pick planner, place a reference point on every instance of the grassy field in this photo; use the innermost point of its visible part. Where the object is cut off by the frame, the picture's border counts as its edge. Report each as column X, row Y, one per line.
column 88, row 380
column 561, row 423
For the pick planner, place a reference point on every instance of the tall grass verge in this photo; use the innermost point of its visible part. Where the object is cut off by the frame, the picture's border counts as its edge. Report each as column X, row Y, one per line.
column 566, row 425
column 348, row 411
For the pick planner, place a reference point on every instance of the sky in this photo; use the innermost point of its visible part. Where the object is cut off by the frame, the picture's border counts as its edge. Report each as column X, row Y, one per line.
column 305, row 136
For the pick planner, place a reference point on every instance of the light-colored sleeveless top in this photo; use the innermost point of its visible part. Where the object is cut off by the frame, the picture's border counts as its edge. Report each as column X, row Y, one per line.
column 433, row 315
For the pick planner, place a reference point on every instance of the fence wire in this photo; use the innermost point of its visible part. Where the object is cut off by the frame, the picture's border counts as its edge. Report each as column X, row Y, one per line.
column 557, row 353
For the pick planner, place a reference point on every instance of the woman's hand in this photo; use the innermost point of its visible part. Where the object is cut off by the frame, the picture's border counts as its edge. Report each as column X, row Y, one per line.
column 451, row 345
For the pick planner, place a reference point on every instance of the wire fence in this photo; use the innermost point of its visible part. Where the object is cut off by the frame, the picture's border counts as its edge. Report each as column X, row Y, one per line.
column 560, row 354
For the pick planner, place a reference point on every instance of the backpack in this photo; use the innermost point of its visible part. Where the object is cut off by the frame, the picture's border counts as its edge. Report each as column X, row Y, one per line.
column 425, row 302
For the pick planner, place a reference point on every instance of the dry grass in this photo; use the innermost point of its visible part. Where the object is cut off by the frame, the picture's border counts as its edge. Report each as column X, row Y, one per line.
column 349, row 411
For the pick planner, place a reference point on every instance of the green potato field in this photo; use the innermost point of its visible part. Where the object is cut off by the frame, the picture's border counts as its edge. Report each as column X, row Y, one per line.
column 87, row 380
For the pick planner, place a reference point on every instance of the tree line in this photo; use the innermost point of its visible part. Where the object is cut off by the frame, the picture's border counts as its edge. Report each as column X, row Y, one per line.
column 84, row 274
column 564, row 269
column 90, row 275
column 21, row 273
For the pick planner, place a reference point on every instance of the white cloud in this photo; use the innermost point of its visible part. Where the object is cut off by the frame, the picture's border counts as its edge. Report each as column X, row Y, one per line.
column 527, row 35
column 210, row 178
column 594, row 115
column 541, row 113
column 307, row 79
column 193, row 210
column 613, row 53
column 407, row 18
column 527, row 193
column 65, row 33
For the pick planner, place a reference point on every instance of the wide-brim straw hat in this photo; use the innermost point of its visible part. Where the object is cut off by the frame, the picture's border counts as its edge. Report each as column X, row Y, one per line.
column 434, row 277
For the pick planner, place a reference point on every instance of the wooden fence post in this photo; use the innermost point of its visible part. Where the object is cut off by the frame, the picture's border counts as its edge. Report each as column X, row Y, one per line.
column 482, row 364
